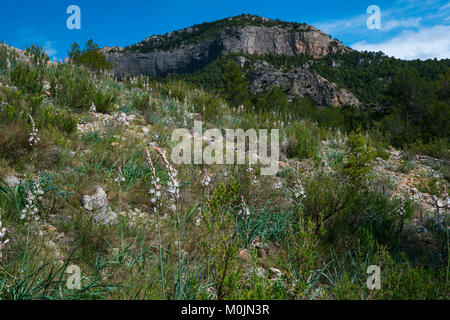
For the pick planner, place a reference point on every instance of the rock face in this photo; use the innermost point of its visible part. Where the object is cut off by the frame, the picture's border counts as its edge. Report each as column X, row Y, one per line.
column 257, row 40
column 300, row 81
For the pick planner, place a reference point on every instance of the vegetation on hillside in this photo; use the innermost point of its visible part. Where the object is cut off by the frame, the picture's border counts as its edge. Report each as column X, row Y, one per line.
column 90, row 56
column 405, row 101
column 203, row 231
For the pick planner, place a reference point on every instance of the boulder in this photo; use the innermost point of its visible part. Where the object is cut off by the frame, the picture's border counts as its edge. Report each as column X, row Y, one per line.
column 98, row 205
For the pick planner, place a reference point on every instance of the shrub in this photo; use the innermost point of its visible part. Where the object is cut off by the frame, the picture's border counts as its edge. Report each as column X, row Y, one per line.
column 104, row 101
column 90, row 56
column 72, row 87
column 27, row 78
column 140, row 101
column 304, row 141
column 326, row 196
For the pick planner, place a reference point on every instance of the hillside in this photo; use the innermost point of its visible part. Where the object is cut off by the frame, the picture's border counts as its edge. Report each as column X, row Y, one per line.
column 87, row 178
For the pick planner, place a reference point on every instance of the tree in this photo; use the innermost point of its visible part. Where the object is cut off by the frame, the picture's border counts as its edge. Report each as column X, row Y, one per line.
column 90, row 56
column 236, row 86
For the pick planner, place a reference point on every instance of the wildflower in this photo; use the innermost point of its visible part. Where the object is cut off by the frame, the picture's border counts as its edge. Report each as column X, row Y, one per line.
column 198, row 220
column 93, row 108
column 251, row 172
column 401, row 210
column 206, row 179
column 3, row 240
column 34, row 196
column 299, row 190
column 278, row 185
column 244, row 208
column 119, row 177
column 173, row 184
column 155, row 190
column 33, row 140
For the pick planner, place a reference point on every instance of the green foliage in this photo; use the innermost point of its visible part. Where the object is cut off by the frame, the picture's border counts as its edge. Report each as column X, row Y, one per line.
column 90, row 56
column 27, row 78
column 360, row 157
column 273, row 100
column 37, row 56
column 72, row 87
column 327, row 196
column 235, row 85
column 304, row 141
column 104, row 101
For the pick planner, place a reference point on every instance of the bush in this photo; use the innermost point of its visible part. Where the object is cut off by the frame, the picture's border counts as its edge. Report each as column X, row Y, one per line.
column 72, row 87
column 28, row 78
column 90, row 56
column 104, row 101
column 326, row 196
column 304, row 141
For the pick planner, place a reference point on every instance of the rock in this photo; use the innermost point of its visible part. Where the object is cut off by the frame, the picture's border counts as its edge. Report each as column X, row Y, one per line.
column 275, row 273
column 106, row 216
column 440, row 204
column 147, row 58
column 98, row 204
column 244, row 255
column 12, row 181
column 50, row 244
column 260, row 272
column 65, row 240
column 96, row 201
column 300, row 81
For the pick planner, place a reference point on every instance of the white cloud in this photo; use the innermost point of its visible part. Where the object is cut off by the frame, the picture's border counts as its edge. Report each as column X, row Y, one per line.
column 445, row 6
column 401, row 23
column 49, row 49
column 427, row 43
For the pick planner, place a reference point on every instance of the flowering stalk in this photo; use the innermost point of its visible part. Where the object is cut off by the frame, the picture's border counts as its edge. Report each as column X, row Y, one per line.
column 173, row 184
column 155, row 190
column 33, row 140
column 156, row 194
column 244, row 208
column 34, row 196
column 206, row 179
column 119, row 177
column 3, row 240
column 299, row 190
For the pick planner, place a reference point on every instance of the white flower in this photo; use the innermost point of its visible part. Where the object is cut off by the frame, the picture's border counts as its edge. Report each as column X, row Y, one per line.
column 34, row 196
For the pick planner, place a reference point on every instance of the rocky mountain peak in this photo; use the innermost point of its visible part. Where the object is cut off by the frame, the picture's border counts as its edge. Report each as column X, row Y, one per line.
column 191, row 48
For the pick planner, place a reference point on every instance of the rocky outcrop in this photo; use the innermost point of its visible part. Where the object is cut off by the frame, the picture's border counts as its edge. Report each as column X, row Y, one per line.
column 257, row 40
column 300, row 81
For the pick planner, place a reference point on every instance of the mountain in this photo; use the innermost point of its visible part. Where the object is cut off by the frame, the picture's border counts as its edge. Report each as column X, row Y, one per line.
column 190, row 49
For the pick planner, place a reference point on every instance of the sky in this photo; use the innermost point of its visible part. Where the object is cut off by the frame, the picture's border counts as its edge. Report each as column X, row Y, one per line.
column 409, row 29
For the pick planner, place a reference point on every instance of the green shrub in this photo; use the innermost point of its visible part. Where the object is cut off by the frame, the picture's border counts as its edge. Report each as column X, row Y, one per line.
column 104, row 101
column 90, row 56
column 141, row 101
column 72, row 87
column 28, row 78
column 304, row 141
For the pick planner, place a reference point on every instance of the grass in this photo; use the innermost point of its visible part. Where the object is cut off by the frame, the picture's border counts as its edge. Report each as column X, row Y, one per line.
column 208, row 247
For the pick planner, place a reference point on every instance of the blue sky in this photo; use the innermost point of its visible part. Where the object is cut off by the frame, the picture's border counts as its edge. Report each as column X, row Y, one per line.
column 409, row 29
